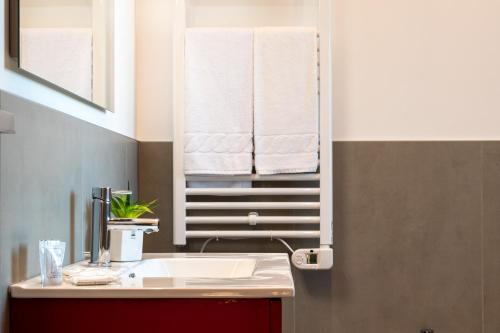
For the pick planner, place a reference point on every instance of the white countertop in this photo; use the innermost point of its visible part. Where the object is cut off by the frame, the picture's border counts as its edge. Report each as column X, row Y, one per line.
column 271, row 278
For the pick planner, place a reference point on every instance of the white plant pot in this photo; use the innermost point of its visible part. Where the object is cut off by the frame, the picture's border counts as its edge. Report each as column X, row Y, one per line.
column 126, row 245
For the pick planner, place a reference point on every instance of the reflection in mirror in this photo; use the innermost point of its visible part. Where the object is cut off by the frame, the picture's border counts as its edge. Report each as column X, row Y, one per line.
column 69, row 43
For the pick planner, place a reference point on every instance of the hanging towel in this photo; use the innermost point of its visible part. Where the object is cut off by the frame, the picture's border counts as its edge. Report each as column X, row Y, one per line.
column 61, row 56
column 219, row 101
column 286, row 100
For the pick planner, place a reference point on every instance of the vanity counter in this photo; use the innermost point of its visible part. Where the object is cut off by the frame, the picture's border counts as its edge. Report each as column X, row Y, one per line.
column 270, row 277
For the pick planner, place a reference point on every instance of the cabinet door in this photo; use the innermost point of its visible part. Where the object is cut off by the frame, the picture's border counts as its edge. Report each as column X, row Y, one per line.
column 146, row 315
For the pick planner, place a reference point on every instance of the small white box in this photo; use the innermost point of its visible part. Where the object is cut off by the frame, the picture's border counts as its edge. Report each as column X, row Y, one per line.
column 126, row 245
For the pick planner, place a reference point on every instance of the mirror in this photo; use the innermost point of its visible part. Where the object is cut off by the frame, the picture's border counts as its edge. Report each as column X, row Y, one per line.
column 68, row 44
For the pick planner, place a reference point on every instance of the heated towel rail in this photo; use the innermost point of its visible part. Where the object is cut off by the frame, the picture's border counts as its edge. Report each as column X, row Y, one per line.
column 277, row 206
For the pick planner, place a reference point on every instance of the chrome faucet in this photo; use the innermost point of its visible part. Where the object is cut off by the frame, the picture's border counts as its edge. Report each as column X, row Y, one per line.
column 101, row 215
column 101, row 219
column 102, row 224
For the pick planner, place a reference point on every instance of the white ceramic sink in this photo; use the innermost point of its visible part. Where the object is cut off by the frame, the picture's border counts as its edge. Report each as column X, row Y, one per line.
column 211, row 268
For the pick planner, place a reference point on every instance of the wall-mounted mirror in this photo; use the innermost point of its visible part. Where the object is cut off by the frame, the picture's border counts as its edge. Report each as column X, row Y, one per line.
column 67, row 43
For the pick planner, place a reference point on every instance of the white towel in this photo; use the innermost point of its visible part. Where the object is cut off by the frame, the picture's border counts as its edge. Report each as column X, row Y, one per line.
column 92, row 280
column 219, row 101
column 91, row 276
column 286, row 100
column 60, row 56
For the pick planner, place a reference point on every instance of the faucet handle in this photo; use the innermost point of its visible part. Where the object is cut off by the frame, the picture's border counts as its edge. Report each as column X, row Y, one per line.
column 101, row 193
column 121, row 192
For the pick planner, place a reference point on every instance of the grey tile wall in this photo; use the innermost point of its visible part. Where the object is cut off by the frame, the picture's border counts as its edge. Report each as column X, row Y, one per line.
column 156, row 182
column 417, row 231
column 47, row 170
column 491, row 235
column 408, row 237
column 408, row 229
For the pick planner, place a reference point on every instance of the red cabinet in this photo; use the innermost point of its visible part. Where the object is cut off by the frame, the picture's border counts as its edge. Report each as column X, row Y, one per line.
column 145, row 315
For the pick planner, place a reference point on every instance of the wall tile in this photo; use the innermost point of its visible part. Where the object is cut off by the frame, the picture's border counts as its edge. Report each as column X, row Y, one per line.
column 407, row 235
column 491, row 245
column 156, row 182
column 47, row 170
column 109, row 162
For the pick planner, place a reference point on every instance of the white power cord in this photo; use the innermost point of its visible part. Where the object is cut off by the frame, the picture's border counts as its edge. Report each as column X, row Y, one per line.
column 205, row 244
column 286, row 244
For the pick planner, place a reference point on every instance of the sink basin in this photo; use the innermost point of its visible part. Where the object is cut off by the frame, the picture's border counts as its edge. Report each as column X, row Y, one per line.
column 210, row 268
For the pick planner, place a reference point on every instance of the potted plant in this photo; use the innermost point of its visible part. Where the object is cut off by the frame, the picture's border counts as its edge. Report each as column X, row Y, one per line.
column 122, row 207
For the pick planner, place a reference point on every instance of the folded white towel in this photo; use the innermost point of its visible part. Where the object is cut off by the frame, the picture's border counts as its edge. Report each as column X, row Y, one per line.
column 92, row 280
column 219, row 101
column 91, row 276
column 286, row 100
column 61, row 56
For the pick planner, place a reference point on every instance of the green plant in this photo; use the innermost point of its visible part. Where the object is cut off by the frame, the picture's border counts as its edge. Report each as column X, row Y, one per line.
column 122, row 207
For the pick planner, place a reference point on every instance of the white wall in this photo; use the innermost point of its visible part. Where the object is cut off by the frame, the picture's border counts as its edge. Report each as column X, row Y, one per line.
column 51, row 13
column 154, row 69
column 403, row 70
column 123, row 119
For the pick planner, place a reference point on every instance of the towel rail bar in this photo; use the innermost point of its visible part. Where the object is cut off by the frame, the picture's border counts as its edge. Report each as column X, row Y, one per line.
column 251, row 205
column 256, row 219
column 253, row 234
column 252, row 191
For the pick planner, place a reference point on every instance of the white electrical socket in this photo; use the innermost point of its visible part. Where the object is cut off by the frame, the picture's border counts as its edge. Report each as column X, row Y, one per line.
column 313, row 259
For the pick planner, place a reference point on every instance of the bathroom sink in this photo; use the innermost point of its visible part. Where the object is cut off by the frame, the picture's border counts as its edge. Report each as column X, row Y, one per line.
column 210, row 268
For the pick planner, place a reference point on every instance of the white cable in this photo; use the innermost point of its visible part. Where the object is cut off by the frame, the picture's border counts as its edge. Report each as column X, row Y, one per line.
column 286, row 244
column 205, row 244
